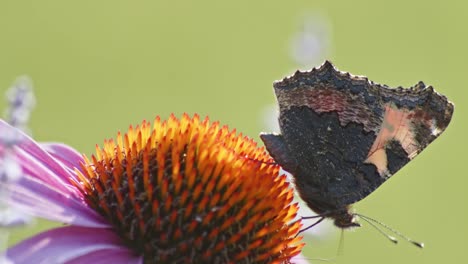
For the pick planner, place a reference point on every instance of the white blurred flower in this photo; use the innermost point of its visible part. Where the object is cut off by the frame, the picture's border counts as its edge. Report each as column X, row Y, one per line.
column 10, row 217
column 310, row 45
column 21, row 101
column 9, row 169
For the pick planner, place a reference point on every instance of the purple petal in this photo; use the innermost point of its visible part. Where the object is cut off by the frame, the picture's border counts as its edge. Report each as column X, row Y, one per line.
column 45, row 189
column 65, row 154
column 4, row 260
column 33, row 157
column 115, row 256
column 36, row 198
column 72, row 244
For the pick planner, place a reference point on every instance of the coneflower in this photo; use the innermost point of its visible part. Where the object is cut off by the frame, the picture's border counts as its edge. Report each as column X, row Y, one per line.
column 178, row 191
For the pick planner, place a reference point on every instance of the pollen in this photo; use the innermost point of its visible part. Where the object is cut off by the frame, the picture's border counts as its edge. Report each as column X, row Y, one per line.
column 190, row 191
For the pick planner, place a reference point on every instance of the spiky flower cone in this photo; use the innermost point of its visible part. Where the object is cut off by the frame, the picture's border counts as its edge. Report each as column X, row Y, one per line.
column 187, row 191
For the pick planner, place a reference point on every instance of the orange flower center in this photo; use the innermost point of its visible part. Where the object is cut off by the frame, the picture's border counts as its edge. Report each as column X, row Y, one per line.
column 186, row 191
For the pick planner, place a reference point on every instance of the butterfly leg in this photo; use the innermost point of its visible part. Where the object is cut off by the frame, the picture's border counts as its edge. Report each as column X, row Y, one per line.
column 312, row 225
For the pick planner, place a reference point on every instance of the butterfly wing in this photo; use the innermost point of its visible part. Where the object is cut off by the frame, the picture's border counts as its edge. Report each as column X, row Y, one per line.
column 346, row 135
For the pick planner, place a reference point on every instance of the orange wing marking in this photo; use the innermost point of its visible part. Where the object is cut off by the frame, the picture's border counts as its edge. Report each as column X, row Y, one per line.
column 396, row 125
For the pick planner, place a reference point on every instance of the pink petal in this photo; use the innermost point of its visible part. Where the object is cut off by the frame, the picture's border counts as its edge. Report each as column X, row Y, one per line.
column 32, row 157
column 72, row 244
column 68, row 156
column 45, row 190
column 36, row 198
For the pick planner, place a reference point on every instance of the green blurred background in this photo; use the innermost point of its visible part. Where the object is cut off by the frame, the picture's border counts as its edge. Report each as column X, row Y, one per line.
column 99, row 66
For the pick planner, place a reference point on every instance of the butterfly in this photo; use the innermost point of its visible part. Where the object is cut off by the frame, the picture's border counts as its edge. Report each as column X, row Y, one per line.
column 342, row 136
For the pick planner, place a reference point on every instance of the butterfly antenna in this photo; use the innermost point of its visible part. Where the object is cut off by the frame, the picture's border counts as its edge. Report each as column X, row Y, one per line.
column 373, row 222
column 391, row 238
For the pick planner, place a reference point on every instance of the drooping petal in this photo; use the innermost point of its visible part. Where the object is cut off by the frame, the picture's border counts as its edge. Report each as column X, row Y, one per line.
column 72, row 244
column 44, row 190
column 41, row 200
column 68, row 156
column 35, row 159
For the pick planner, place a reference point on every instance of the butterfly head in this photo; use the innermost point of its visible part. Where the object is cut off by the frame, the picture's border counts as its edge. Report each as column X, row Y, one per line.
column 344, row 219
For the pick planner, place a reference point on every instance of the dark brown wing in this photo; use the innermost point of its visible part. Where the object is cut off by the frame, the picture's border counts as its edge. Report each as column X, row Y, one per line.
column 346, row 135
